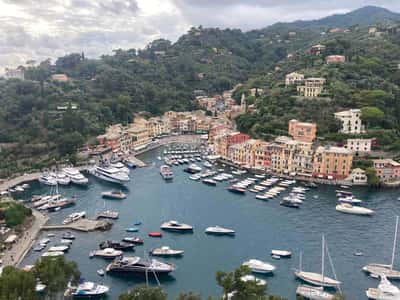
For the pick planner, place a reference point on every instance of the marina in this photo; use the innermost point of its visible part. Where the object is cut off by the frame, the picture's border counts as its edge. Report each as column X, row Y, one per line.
column 260, row 227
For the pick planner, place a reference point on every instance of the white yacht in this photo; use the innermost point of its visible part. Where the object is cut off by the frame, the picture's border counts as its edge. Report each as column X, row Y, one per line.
column 107, row 253
column 109, row 174
column 166, row 172
column 313, row 292
column 166, row 251
column 87, row 289
column 355, row 210
column 176, row 226
column 74, row 217
column 53, row 254
column 61, row 248
column 76, row 176
column 120, row 166
column 385, row 291
column 61, row 178
column 47, row 179
column 281, row 253
column 217, row 230
column 258, row 266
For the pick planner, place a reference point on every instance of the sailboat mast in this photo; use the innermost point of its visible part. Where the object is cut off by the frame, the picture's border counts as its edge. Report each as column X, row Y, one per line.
column 394, row 242
column 323, row 258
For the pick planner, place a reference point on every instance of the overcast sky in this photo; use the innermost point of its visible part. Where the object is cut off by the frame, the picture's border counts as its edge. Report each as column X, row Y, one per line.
column 38, row 29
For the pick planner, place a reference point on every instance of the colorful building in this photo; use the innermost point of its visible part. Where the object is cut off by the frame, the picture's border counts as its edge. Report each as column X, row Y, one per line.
column 332, row 162
column 294, row 78
column 302, row 131
column 387, row 169
column 312, row 87
column 335, row 59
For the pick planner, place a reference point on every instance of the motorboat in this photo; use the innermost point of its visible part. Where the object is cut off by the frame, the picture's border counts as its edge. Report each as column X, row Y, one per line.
column 108, row 253
column 113, row 194
column 66, row 241
column 318, row 279
column 349, row 199
column 289, row 203
column 133, row 240
column 342, row 193
column 59, row 204
column 207, row 164
column 258, row 266
column 166, row 172
column 355, row 210
column 217, row 230
column 176, row 226
column 138, row 265
column 281, row 253
column 86, row 289
column 40, row 287
column 237, row 190
column 68, row 236
column 100, row 272
column 62, row 248
column 53, row 254
column 247, row 278
column 193, row 168
column 209, row 182
column 132, row 229
column 109, row 174
column 120, row 166
column 74, row 217
column 39, row 247
column 195, row 177
column 263, row 197
column 313, row 292
column 116, row 245
column 387, row 270
column 166, row 251
column 61, row 178
column 385, row 291
column 76, row 176
column 47, row 180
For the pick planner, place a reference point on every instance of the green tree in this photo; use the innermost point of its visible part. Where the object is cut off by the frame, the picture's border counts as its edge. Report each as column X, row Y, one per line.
column 56, row 273
column 371, row 115
column 17, row 284
column 373, row 179
column 144, row 293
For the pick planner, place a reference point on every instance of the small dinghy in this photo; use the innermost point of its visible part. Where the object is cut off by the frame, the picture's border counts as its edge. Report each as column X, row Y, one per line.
column 100, row 272
column 281, row 253
column 132, row 229
column 155, row 234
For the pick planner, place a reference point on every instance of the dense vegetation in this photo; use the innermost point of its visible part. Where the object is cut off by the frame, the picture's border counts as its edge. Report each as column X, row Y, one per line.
column 54, row 272
column 14, row 213
column 164, row 75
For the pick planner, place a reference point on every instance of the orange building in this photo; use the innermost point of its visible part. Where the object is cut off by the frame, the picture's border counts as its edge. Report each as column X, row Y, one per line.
column 335, row 59
column 223, row 142
column 387, row 169
column 301, row 131
column 332, row 162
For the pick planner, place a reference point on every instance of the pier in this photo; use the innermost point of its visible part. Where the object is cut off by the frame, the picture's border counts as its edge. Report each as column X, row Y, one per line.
column 84, row 225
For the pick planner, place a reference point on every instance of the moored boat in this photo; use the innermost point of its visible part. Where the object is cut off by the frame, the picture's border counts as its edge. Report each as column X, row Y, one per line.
column 75, row 176
column 258, row 266
column 166, row 251
column 237, row 190
column 110, row 174
column 116, row 245
column 385, row 291
column 355, row 210
column 108, row 253
column 281, row 253
column 133, row 240
column 74, row 217
column 113, row 194
column 47, row 180
column 138, row 265
column 86, row 289
column 176, row 226
column 166, row 172
column 313, row 292
column 217, row 230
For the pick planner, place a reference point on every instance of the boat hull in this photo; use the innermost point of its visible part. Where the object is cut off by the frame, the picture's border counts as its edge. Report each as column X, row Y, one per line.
column 315, row 279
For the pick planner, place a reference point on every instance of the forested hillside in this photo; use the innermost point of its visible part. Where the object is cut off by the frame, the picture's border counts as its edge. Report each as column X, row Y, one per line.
column 164, row 75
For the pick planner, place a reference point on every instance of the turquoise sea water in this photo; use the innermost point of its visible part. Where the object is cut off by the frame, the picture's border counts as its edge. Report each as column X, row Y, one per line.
column 260, row 227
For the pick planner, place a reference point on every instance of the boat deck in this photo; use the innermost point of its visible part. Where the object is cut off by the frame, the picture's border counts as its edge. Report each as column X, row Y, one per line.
column 85, row 225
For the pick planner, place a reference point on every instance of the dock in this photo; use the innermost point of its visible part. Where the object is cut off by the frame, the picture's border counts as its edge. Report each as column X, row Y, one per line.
column 84, row 225
column 136, row 161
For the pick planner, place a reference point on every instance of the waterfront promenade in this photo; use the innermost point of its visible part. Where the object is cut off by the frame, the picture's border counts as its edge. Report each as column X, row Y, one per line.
column 18, row 250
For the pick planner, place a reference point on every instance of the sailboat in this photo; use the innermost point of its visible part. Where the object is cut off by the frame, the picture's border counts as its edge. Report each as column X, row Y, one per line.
column 385, row 291
column 377, row 270
column 319, row 279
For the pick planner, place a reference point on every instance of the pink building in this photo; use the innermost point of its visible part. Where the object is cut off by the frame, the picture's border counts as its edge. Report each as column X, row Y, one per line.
column 335, row 59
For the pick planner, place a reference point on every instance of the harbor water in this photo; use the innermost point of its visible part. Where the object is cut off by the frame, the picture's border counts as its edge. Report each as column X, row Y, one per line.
column 260, row 227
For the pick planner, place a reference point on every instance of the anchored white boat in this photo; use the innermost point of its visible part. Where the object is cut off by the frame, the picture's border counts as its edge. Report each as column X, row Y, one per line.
column 75, row 176
column 53, row 254
column 217, row 230
column 87, row 289
column 355, row 210
column 74, row 217
column 313, row 293
column 61, row 248
column 281, row 253
column 107, row 253
column 385, row 291
column 318, row 279
column 47, row 180
column 166, row 251
column 109, row 174
column 176, row 226
column 382, row 269
column 258, row 266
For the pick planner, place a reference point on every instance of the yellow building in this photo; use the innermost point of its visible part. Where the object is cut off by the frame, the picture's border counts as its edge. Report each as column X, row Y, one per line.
column 312, row 87
column 332, row 162
column 139, row 137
